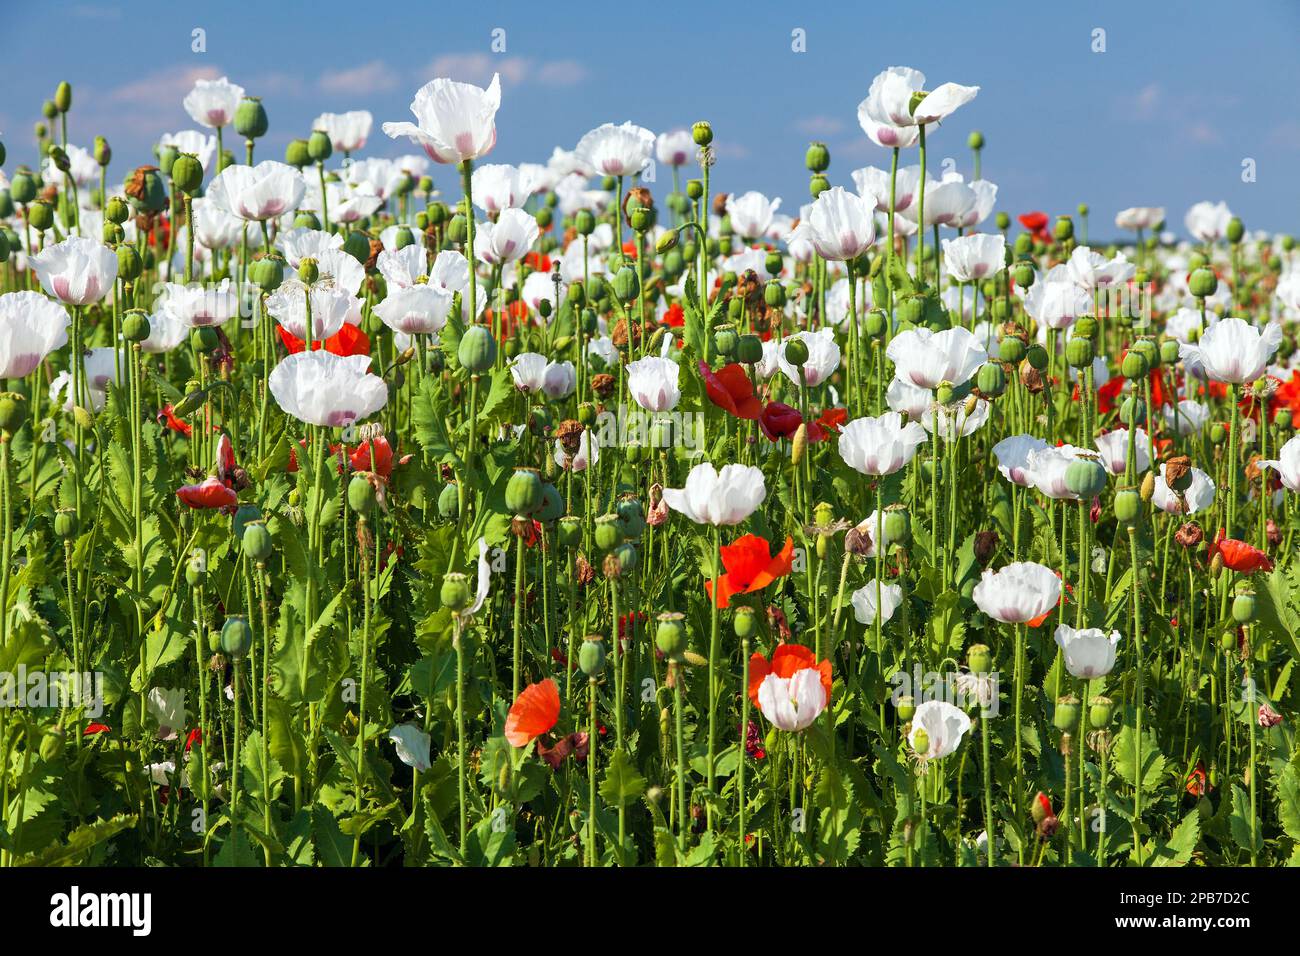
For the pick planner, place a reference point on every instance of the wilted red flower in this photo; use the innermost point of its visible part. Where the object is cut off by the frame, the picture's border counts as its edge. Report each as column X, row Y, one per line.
column 787, row 660
column 1198, row 781
column 196, row 736
column 750, row 567
column 96, row 728
column 209, row 493
column 778, row 420
column 1268, row 717
column 731, row 390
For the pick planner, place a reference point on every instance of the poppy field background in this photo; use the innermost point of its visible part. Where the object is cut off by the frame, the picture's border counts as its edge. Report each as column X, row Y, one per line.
column 369, row 501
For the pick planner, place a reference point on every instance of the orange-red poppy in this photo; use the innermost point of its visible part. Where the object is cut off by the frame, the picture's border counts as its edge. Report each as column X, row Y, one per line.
column 349, row 340
column 209, row 493
column 787, row 660
column 381, row 462
column 731, row 390
column 750, row 567
column 1238, row 555
column 833, row 418
column 674, row 317
column 533, row 713
column 1198, row 781
column 166, row 417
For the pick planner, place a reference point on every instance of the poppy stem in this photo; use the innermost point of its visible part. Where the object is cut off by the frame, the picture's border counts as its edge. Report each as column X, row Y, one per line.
column 714, row 651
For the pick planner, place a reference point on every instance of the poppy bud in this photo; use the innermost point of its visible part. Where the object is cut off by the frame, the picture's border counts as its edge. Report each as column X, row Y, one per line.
column 1235, row 230
column 702, row 133
column 250, row 118
column 135, row 325
column 187, row 173
column 455, row 592
column 670, row 636
column 799, row 444
column 360, row 495
column 1041, row 808
column 1243, row 608
column 979, row 659
column 591, row 656
column 1066, row 714
column 1064, row 229
column 59, row 158
column 818, row 158
column 1148, row 486
column 1202, row 283
column 897, row 524
column 587, row 414
column 404, row 237
column 975, row 140
column 63, row 97
column 625, row 284
column 1283, row 418
column 52, row 743
column 477, row 350
column 920, row 741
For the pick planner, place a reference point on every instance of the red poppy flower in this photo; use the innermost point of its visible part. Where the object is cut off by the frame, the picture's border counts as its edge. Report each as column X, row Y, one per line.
column 731, row 390
column 675, row 316
column 1288, row 395
column 787, row 660
column 833, row 418
column 209, row 493
column 1066, row 591
column 1106, row 394
column 381, row 462
column 1238, row 555
column 629, row 249
column 196, row 736
column 633, row 617
column 225, row 458
column 533, row 713
column 538, row 261
column 1035, row 222
column 96, row 728
column 1198, row 781
column 165, row 417
column 750, row 567
column 349, row 340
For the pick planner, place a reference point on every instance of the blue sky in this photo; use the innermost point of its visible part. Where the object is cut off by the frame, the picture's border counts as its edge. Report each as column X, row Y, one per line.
column 1165, row 116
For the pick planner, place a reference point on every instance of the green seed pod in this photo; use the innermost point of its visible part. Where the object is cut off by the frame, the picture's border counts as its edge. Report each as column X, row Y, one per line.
column 609, row 532
column 477, row 351
column 129, row 265
column 702, row 133
column 1169, row 352
column 204, row 339
column 267, row 273
column 187, row 173
column 117, row 211
column 979, row 659
column 65, row 523
column 357, row 245
column 251, row 121
column 1085, row 327
column 524, row 491
column 796, row 352
column 591, row 656
column 1067, row 713
column 1085, row 477
column 749, row 349
column 135, row 325
column 670, row 635
column 552, row 504
column 13, row 412
column 296, row 154
column 1024, row 274
column 1012, row 349
column 1099, row 711
column 6, row 204
column 1243, row 608
column 625, row 284
column 1064, row 229
column 817, row 185
column 694, row 189
column 726, row 340
column 1148, row 350
column 256, row 541
column 308, row 271
column 818, row 158
column 1133, row 411
column 306, row 219
column 631, row 517
column 906, row 708
column 52, row 742
column 196, row 571
column 404, row 237
column 570, row 532
column 456, row 593
column 625, row 556
column 41, row 215
column 745, row 623
column 1037, row 356
column 1202, row 283
column 991, row 380
column 1128, row 503
column 361, row 497
column 23, row 188
column 146, row 189
column 449, row 502
column 236, row 638
column 1235, row 231
column 1079, row 353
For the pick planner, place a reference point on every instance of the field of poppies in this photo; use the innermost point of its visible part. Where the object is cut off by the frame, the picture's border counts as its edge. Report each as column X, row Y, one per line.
column 431, row 511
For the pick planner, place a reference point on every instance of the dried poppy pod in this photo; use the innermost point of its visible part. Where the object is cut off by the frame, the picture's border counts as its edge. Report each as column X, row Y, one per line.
column 1189, row 535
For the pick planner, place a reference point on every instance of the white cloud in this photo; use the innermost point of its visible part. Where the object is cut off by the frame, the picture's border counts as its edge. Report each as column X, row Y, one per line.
column 478, row 68
column 372, row 77
column 819, row 126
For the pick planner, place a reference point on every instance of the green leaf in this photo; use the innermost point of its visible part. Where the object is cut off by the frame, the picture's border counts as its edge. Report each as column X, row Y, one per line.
column 1177, row 850
column 622, row 784
column 1239, row 822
